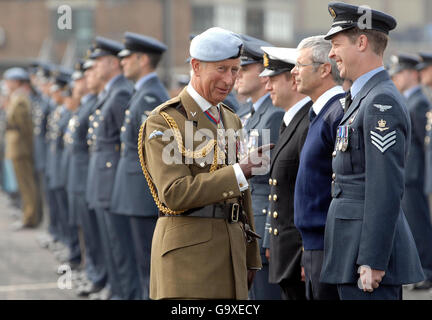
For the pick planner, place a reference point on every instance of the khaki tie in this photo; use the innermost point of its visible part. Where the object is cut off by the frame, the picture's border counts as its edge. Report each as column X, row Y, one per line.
column 214, row 111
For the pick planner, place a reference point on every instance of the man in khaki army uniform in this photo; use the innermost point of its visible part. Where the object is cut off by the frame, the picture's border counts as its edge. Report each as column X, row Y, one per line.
column 199, row 247
column 19, row 143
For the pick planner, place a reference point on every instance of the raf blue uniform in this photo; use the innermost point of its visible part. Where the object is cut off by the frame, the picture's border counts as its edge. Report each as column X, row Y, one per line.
column 132, row 206
column 265, row 118
column 104, row 133
column 414, row 202
column 365, row 222
column 426, row 63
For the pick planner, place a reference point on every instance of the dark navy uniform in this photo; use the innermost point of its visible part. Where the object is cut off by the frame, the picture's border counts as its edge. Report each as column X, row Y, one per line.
column 414, row 202
column 365, row 224
column 104, row 132
column 265, row 118
column 132, row 207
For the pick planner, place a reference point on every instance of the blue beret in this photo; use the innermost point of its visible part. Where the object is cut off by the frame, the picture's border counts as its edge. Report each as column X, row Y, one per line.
column 347, row 16
column 104, row 47
column 426, row 60
column 216, row 44
column 402, row 62
column 134, row 42
column 252, row 52
column 16, row 74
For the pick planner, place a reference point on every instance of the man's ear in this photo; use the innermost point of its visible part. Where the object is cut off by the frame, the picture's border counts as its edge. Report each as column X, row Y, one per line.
column 196, row 66
column 325, row 70
column 362, row 42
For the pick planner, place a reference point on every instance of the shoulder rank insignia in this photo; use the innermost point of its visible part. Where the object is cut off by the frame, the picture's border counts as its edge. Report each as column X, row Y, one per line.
column 193, row 113
column 154, row 134
column 383, row 142
column 382, row 125
column 382, row 107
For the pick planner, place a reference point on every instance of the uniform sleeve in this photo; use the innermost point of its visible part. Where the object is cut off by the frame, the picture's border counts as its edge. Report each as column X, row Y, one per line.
column 386, row 135
column 177, row 188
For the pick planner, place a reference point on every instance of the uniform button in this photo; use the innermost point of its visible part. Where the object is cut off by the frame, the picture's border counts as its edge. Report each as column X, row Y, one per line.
column 302, row 248
column 269, row 213
column 427, row 140
column 108, row 164
column 127, row 112
column 270, row 230
column 274, row 182
column 275, row 215
column 274, row 197
column 429, row 114
column 230, row 193
column 202, row 164
column 334, row 176
column 275, row 232
column 224, row 194
column 270, row 197
column 91, row 118
column 270, row 181
column 264, row 211
column 98, row 112
column 123, row 129
column 428, row 127
column 95, row 124
column 334, row 154
column 90, row 130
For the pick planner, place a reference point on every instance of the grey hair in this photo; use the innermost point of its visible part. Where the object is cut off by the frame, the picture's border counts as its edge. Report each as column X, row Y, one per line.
column 320, row 53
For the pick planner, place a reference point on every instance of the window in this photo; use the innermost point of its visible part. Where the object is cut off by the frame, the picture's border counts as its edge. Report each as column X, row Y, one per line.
column 278, row 26
column 202, row 18
column 230, row 17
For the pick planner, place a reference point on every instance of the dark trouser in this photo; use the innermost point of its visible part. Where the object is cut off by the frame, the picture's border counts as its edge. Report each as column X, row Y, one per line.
column 383, row 292
column 312, row 261
column 142, row 235
column 293, row 290
column 416, row 208
column 70, row 232
column 122, row 246
column 105, row 239
column 54, row 227
column 94, row 259
column 261, row 288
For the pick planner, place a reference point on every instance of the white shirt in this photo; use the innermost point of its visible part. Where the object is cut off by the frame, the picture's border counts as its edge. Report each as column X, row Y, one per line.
column 290, row 114
column 205, row 105
column 325, row 97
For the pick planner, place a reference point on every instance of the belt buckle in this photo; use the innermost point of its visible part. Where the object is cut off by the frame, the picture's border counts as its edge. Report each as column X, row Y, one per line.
column 235, row 209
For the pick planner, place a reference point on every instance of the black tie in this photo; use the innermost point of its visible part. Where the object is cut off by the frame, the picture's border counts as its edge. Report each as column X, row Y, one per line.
column 282, row 128
column 312, row 114
column 348, row 101
column 252, row 109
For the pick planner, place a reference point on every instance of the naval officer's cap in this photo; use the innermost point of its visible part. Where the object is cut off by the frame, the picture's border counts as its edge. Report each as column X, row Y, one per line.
column 105, row 47
column 277, row 60
column 426, row 60
column 16, row 74
column 134, row 42
column 216, row 44
column 403, row 61
column 252, row 52
column 346, row 16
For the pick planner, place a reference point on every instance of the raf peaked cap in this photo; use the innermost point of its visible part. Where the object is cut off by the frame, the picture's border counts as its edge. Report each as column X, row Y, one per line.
column 252, row 52
column 16, row 74
column 104, row 47
column 426, row 60
column 216, row 44
column 62, row 76
column 277, row 60
column 134, row 42
column 402, row 62
column 78, row 72
column 346, row 16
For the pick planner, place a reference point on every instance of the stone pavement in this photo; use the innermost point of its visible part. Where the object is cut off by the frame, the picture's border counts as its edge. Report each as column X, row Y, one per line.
column 28, row 272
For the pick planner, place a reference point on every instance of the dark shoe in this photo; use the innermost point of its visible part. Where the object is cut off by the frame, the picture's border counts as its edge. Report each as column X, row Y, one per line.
column 424, row 285
column 87, row 289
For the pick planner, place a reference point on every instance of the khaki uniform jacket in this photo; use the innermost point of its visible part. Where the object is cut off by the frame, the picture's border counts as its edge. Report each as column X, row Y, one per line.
column 19, row 127
column 194, row 257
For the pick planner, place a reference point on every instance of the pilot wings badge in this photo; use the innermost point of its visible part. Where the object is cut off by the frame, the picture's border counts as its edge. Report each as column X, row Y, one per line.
column 382, row 107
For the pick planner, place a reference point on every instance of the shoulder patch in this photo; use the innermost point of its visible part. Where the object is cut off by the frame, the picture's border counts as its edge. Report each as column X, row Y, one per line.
column 170, row 103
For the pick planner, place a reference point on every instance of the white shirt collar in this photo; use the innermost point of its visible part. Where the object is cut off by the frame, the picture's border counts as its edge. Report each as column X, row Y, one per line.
column 203, row 103
column 360, row 82
column 142, row 80
column 408, row 93
column 325, row 97
column 290, row 114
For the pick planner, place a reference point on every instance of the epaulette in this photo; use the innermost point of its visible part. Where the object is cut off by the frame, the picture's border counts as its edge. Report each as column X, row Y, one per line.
column 169, row 103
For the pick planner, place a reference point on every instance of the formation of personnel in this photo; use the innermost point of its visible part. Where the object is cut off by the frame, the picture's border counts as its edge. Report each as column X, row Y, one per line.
column 276, row 173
